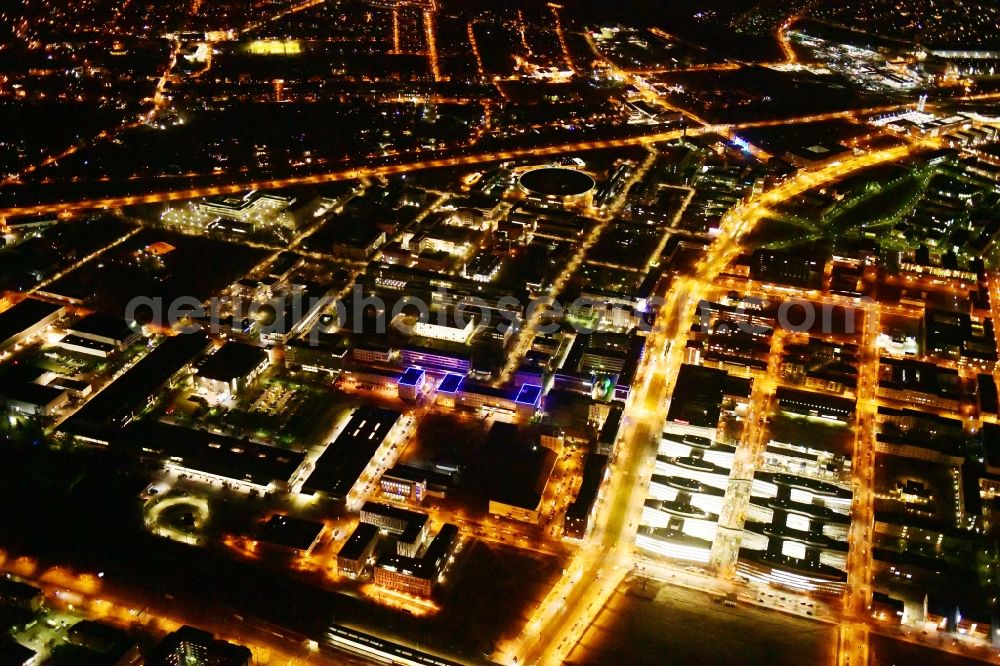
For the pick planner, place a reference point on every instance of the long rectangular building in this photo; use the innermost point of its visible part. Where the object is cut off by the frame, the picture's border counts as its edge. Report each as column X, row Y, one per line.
column 989, row 403
column 126, row 397
column 346, row 458
column 919, row 383
column 391, row 519
column 225, row 458
column 444, row 290
column 608, row 436
column 579, row 512
column 630, row 366
column 808, row 403
column 433, row 358
column 99, row 334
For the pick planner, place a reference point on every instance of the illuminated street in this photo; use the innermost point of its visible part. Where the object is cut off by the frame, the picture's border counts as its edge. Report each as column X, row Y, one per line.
column 438, row 332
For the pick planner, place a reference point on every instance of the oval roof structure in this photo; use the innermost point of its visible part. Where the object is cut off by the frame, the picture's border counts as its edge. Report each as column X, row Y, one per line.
column 557, row 182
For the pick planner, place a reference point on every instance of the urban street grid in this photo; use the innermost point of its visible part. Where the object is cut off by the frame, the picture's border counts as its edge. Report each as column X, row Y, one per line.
column 432, row 332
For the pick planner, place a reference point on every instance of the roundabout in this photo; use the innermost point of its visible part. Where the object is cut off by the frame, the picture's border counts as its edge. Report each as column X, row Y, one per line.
column 178, row 518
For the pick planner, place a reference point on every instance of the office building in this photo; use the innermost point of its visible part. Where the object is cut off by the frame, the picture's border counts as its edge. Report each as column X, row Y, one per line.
column 408, row 527
column 449, row 326
column 411, row 383
column 821, row 405
column 447, row 389
column 418, row 574
column 919, row 383
column 413, row 484
column 432, row 358
column 231, row 369
column 193, row 647
column 357, row 550
column 697, row 399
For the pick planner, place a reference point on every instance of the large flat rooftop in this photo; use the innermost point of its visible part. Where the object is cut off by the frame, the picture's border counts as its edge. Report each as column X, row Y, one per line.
column 697, row 398
column 338, row 469
column 231, row 361
column 514, row 467
column 450, row 383
column 289, row 532
column 413, row 522
column 557, row 181
column 102, row 325
column 16, row 320
column 114, row 406
column 201, row 451
column 358, row 542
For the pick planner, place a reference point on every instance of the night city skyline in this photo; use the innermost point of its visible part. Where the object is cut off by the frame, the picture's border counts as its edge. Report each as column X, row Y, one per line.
column 434, row 332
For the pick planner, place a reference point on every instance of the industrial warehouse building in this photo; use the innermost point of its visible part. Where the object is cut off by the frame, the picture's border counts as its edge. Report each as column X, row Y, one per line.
column 113, row 408
column 99, row 334
column 27, row 318
column 346, row 458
